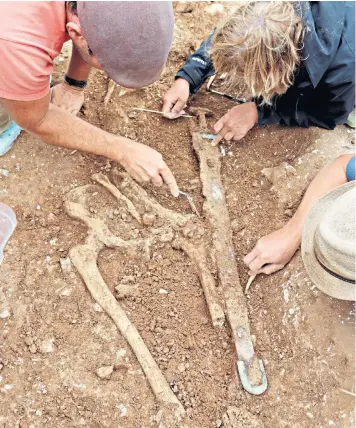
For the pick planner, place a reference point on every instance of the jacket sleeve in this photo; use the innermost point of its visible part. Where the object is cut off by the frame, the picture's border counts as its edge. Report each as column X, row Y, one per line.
column 325, row 106
column 198, row 66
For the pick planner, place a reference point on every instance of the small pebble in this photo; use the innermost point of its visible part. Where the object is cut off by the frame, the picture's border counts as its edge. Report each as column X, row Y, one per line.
column 28, row 341
column 167, row 237
column 286, row 295
column 33, row 348
column 5, row 314
column 181, row 368
column 188, row 231
column 66, row 265
column 105, row 372
column 123, row 410
column 47, row 346
column 127, row 279
column 237, row 225
column 148, row 219
column 52, row 218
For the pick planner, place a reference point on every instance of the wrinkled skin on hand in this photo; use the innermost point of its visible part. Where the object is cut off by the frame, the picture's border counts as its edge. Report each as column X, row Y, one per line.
column 145, row 164
column 236, row 123
column 272, row 252
column 175, row 99
column 67, row 97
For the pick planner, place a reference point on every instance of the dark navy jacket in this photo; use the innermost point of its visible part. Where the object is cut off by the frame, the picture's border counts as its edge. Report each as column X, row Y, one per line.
column 323, row 93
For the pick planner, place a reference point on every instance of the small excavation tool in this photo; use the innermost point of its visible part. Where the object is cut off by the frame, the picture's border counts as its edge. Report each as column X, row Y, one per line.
column 191, row 202
column 213, row 91
column 156, row 111
column 208, row 136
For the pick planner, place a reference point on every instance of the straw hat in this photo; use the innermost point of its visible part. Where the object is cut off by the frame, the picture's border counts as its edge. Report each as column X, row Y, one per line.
column 328, row 243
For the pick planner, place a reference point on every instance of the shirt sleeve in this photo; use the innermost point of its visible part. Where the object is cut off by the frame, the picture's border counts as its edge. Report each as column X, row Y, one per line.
column 198, row 66
column 351, row 169
column 25, row 71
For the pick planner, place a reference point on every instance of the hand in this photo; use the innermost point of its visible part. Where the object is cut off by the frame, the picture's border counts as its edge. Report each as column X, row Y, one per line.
column 145, row 164
column 272, row 252
column 175, row 99
column 67, row 97
column 236, row 123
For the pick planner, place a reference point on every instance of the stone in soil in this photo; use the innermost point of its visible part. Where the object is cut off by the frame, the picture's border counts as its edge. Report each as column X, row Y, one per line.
column 105, row 372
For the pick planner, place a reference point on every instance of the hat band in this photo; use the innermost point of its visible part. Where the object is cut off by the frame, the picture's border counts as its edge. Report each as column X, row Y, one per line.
column 334, row 274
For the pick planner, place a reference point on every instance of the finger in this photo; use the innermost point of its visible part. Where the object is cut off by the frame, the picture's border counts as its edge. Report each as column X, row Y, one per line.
column 220, row 136
column 239, row 136
column 219, row 125
column 229, row 136
column 144, row 175
column 174, row 115
column 155, row 178
column 250, row 256
column 75, row 112
column 270, row 268
column 178, row 107
column 256, row 264
column 169, row 179
column 167, row 105
column 217, row 140
column 134, row 175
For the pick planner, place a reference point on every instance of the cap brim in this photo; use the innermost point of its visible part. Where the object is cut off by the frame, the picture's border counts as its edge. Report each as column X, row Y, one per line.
column 323, row 280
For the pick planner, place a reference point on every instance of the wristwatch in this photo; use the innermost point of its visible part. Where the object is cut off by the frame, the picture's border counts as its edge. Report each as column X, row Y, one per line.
column 76, row 83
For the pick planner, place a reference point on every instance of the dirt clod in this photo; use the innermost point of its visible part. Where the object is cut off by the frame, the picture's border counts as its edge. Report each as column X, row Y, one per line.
column 105, row 372
column 148, row 219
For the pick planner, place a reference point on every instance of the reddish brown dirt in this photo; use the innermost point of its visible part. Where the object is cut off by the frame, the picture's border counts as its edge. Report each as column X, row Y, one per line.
column 306, row 340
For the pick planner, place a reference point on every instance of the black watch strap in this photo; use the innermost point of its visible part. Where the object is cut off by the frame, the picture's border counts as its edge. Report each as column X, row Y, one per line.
column 76, row 83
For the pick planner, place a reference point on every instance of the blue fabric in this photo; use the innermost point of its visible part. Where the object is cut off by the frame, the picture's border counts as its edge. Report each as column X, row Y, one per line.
column 351, row 169
column 8, row 137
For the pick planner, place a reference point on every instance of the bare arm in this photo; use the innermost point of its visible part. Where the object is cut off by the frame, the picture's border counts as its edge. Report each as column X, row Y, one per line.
column 276, row 249
column 78, row 69
column 56, row 126
column 330, row 177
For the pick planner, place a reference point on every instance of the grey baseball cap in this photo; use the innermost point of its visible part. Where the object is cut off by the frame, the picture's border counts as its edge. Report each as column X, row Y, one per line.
column 130, row 39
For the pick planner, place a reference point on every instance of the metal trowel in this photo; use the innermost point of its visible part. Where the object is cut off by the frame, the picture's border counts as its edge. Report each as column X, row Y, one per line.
column 190, row 201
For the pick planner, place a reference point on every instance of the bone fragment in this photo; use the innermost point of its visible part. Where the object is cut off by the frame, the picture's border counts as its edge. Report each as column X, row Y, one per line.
column 84, row 258
column 128, row 186
column 105, row 182
column 197, row 254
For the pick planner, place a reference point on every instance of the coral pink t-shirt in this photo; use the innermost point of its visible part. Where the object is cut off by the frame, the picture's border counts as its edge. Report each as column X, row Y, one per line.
column 31, row 36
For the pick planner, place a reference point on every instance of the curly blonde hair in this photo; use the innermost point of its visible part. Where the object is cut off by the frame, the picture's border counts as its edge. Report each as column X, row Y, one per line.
column 260, row 44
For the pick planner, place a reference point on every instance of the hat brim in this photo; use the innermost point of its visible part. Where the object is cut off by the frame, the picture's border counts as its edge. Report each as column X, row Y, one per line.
column 323, row 280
